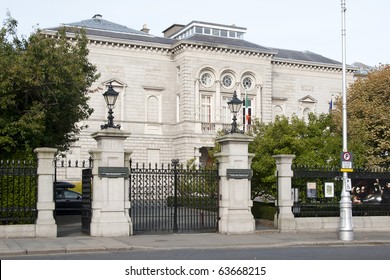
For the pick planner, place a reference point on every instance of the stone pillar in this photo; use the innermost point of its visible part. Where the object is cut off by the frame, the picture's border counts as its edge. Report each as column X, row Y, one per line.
column 127, row 202
column 286, row 221
column 110, row 195
column 235, row 201
column 45, row 225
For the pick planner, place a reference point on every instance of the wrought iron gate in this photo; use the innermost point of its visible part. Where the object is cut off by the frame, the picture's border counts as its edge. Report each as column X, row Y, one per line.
column 173, row 198
column 86, row 213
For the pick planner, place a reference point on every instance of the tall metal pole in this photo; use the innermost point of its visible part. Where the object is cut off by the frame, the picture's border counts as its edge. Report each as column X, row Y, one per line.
column 345, row 226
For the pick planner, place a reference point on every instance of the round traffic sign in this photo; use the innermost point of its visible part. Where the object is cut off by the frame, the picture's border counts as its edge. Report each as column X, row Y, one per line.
column 347, row 156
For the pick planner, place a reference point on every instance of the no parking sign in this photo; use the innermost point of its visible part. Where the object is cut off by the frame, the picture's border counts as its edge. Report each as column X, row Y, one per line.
column 346, row 162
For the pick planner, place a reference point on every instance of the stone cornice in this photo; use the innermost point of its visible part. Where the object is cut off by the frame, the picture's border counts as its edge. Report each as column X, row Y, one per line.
column 311, row 65
column 182, row 46
column 119, row 43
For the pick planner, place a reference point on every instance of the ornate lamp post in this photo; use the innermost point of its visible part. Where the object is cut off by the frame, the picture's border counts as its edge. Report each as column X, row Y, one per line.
column 234, row 107
column 110, row 97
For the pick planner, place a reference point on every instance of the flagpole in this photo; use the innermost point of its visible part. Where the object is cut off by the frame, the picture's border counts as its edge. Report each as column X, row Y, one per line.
column 345, row 226
column 246, row 111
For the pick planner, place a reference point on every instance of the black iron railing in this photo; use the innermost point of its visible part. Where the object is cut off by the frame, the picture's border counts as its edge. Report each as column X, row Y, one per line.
column 18, row 192
column 317, row 191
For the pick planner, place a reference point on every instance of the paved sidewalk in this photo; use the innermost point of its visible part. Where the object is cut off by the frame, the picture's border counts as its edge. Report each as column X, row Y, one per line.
column 262, row 238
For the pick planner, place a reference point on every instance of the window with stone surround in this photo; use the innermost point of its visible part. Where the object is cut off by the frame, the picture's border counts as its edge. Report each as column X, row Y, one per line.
column 152, row 109
column 227, row 81
column 277, row 111
column 206, row 108
column 207, row 79
column 226, row 115
column 248, row 82
column 306, row 113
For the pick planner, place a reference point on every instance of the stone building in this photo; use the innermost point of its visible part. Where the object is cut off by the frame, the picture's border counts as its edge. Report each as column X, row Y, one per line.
column 174, row 89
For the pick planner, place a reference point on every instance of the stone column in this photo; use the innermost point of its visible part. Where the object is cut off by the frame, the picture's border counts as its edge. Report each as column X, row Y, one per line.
column 259, row 103
column 235, row 185
column 197, row 155
column 45, row 225
column 197, row 101
column 110, row 200
column 286, row 221
column 217, row 102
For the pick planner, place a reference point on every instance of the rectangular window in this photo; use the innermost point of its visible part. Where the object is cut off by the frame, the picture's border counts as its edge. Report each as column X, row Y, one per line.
column 199, row 29
column 215, row 32
column 226, row 116
column 232, row 34
column 207, row 30
column 224, row 33
column 206, row 109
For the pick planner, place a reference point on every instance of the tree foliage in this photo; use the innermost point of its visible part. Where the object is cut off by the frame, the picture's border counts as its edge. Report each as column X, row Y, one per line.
column 44, row 83
column 312, row 143
column 368, row 115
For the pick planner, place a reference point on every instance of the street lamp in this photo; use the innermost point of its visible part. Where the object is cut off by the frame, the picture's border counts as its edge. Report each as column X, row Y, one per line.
column 110, row 97
column 234, row 107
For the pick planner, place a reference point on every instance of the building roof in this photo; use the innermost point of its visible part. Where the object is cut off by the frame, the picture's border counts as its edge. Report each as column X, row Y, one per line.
column 224, row 41
column 131, row 37
column 307, row 56
column 98, row 23
column 98, row 27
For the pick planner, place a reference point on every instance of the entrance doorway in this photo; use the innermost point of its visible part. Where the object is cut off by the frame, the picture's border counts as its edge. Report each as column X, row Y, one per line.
column 173, row 198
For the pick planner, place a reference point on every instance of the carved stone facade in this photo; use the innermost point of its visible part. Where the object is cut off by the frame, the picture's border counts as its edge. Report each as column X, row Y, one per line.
column 174, row 92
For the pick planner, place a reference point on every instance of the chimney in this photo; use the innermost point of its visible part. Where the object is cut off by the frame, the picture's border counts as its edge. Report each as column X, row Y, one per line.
column 145, row 29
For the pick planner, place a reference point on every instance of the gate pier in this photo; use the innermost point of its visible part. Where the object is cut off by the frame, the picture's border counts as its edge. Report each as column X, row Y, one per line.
column 110, row 195
column 235, row 185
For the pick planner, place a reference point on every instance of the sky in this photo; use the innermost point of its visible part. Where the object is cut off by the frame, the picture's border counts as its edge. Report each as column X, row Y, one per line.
column 302, row 25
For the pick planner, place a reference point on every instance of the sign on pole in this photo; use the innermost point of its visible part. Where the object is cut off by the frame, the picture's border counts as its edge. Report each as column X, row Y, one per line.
column 346, row 162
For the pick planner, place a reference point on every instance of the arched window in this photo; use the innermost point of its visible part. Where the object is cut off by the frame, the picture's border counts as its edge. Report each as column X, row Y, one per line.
column 278, row 111
column 152, row 109
column 306, row 113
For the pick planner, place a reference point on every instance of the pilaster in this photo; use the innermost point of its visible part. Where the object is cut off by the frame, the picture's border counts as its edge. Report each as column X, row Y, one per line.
column 110, row 199
column 285, row 202
column 235, row 185
column 45, row 225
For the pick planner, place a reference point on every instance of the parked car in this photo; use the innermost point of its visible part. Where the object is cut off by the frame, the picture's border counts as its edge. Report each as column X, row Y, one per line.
column 64, row 185
column 67, row 201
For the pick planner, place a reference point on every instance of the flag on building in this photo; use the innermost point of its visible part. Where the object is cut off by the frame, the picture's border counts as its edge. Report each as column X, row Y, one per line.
column 247, row 112
column 330, row 105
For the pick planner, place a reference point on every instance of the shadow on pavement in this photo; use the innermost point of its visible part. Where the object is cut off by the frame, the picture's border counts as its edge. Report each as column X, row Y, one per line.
column 68, row 225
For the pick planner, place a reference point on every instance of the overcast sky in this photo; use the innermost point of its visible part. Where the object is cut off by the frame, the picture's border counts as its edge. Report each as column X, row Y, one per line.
column 313, row 25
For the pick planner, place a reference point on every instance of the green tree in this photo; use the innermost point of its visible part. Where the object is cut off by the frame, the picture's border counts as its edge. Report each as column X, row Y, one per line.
column 44, row 85
column 368, row 115
column 312, row 143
